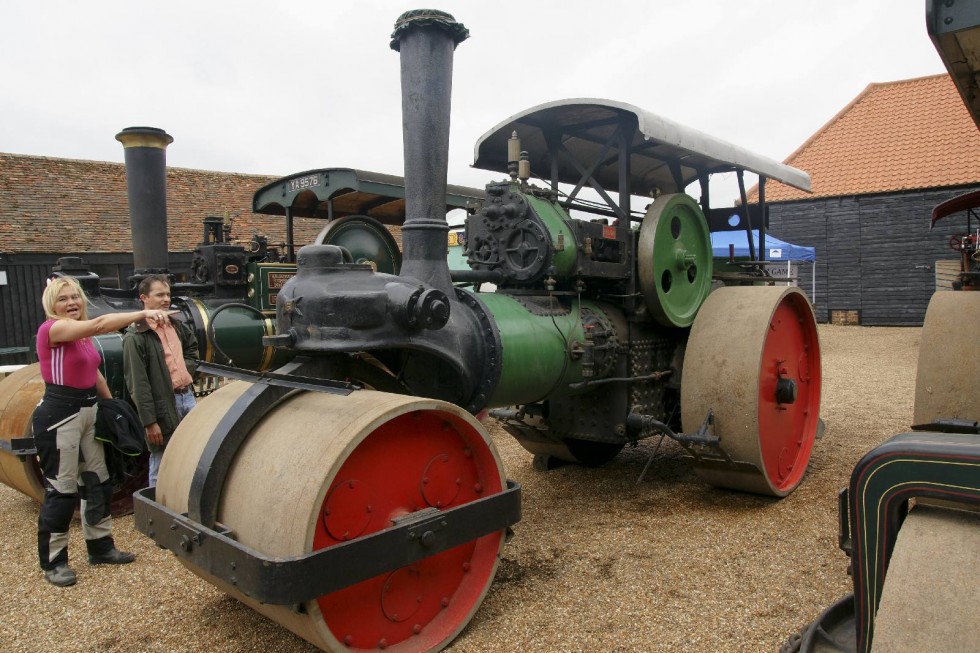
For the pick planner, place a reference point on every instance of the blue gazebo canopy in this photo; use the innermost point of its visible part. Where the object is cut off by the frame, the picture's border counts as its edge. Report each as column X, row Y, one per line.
column 776, row 249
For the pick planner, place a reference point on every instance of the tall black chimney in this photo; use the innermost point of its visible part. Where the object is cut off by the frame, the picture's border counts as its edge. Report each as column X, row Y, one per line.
column 146, row 182
column 426, row 39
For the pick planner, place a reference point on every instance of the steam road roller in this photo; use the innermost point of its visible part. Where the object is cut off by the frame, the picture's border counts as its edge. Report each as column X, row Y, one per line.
column 351, row 495
column 910, row 516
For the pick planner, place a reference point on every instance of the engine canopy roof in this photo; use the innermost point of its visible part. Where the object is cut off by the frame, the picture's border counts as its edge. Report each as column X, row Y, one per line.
column 664, row 156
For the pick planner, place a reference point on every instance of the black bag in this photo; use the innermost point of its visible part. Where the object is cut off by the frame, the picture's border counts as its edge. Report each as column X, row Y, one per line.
column 118, row 427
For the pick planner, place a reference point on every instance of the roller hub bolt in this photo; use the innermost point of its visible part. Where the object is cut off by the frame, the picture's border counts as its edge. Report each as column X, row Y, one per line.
column 786, row 391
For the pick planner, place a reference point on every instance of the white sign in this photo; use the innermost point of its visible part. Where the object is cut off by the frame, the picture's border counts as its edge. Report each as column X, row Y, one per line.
column 775, row 252
column 3, row 278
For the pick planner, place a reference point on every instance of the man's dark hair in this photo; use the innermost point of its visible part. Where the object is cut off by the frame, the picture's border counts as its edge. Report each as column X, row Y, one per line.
column 149, row 280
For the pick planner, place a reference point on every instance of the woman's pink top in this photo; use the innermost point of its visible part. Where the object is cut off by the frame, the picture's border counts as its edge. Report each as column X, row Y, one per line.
column 74, row 364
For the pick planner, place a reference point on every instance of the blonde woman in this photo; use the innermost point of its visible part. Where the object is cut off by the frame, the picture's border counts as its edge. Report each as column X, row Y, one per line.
column 72, row 462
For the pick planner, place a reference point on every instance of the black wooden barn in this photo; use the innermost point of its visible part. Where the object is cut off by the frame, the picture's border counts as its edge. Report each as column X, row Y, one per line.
column 878, row 168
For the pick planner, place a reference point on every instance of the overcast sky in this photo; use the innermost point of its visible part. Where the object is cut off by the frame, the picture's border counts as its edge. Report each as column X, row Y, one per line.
column 279, row 87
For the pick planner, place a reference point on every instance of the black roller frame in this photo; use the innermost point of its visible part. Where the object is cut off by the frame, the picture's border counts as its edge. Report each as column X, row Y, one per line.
column 294, row 580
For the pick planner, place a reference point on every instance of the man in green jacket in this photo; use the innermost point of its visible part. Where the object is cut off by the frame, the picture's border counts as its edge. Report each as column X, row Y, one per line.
column 159, row 362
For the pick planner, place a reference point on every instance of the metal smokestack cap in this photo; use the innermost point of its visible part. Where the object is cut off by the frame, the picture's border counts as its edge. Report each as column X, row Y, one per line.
column 424, row 18
column 144, row 137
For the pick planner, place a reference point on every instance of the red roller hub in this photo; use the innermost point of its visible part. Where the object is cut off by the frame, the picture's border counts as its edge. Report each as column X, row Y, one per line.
column 786, row 430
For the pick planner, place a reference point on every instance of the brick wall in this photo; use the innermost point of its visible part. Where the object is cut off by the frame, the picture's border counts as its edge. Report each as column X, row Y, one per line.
column 50, row 205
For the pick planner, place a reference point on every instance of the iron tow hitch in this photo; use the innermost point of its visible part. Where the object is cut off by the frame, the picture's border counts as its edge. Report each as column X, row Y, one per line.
column 636, row 422
column 297, row 579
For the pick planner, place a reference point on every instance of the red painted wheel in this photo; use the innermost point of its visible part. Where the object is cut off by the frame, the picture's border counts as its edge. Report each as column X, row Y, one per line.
column 321, row 470
column 753, row 360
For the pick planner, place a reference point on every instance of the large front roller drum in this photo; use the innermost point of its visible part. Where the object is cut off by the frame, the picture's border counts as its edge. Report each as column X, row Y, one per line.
column 930, row 597
column 946, row 385
column 753, row 359
column 322, row 469
column 674, row 259
column 20, row 394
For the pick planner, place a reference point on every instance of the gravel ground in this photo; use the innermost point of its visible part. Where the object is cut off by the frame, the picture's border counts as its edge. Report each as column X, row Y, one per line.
column 598, row 563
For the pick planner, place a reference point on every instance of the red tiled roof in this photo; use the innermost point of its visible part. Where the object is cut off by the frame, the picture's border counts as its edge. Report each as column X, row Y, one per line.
column 895, row 136
column 50, row 205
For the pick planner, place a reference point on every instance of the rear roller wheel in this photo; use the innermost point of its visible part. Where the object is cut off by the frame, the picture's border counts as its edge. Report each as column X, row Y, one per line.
column 945, row 382
column 320, row 470
column 929, row 599
column 19, row 395
column 753, row 359
column 549, row 452
column 549, row 455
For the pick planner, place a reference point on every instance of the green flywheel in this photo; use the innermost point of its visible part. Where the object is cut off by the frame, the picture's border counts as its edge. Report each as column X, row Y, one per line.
column 674, row 259
column 367, row 240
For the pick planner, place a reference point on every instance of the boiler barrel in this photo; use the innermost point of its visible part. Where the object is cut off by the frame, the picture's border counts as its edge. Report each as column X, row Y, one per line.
column 238, row 332
column 541, row 347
